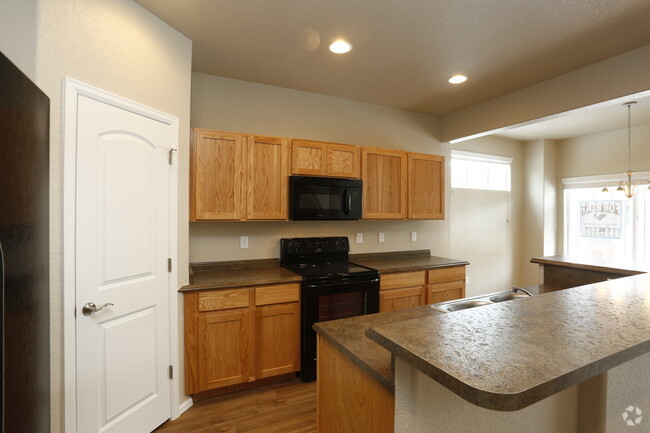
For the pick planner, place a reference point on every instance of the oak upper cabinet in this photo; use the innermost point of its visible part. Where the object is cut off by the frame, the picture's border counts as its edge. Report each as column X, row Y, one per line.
column 268, row 178
column 426, row 186
column 401, row 290
column 384, row 174
column 316, row 158
column 277, row 329
column 216, row 176
column 238, row 177
column 445, row 284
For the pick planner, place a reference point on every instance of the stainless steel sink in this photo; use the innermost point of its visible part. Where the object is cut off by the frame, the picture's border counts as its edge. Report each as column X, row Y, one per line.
column 506, row 297
column 479, row 301
column 465, row 305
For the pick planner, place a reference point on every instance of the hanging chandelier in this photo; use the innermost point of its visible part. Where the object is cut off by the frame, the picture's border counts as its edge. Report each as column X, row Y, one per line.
column 627, row 186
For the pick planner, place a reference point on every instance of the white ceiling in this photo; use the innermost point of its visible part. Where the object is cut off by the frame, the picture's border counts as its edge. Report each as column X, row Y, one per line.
column 404, row 51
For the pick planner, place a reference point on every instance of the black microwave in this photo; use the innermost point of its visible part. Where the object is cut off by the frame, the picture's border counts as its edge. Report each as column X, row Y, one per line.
column 324, row 198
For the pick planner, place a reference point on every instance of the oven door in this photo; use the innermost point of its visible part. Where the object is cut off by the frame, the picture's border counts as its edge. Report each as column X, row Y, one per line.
column 321, row 198
column 330, row 300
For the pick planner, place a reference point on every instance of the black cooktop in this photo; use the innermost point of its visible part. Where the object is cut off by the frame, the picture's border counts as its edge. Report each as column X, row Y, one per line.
column 320, row 258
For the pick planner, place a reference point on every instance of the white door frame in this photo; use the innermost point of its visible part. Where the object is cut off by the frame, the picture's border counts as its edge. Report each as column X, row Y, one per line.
column 74, row 89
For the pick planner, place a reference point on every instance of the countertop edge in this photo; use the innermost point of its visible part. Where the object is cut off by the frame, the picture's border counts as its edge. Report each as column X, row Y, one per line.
column 374, row 374
column 513, row 401
column 555, row 261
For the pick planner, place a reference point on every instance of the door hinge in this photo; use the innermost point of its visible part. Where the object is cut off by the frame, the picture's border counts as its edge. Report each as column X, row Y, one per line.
column 171, row 372
column 169, row 264
column 171, row 152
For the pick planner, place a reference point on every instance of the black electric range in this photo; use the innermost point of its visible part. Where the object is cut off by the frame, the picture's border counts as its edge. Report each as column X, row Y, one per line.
column 332, row 288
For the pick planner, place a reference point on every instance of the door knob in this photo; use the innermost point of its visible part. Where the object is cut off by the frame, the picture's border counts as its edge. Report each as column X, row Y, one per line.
column 91, row 308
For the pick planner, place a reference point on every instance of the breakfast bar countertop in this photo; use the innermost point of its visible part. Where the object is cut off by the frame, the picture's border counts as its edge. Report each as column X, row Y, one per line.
column 509, row 355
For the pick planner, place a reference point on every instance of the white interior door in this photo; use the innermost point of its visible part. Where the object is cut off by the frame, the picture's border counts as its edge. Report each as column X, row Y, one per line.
column 122, row 247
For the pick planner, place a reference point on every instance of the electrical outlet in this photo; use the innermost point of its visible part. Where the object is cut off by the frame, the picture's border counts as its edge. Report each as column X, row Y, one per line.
column 359, row 238
column 381, row 237
column 414, row 236
column 243, row 242
column 467, row 279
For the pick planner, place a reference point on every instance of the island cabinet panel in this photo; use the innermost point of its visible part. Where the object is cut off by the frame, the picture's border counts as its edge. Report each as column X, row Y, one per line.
column 216, row 176
column 268, row 178
column 240, row 335
column 384, row 174
column 225, row 349
column 445, row 284
column 317, row 158
column 426, row 186
column 278, row 339
column 401, row 290
column 349, row 400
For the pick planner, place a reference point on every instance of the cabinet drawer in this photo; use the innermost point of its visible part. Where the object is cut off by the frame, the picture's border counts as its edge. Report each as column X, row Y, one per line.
column 401, row 293
column 402, row 279
column 450, row 285
column 224, row 299
column 442, row 275
column 277, row 294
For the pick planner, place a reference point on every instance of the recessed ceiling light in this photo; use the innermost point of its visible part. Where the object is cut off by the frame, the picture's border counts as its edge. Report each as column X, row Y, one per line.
column 457, row 79
column 340, row 46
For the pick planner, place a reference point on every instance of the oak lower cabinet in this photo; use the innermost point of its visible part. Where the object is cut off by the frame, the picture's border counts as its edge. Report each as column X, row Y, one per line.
column 384, row 174
column 401, row 290
column 277, row 339
column 316, row 158
column 240, row 335
column 426, row 186
column 238, row 176
column 445, row 284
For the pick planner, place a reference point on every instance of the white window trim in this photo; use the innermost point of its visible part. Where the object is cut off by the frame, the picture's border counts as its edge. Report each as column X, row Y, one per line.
column 600, row 180
column 484, row 157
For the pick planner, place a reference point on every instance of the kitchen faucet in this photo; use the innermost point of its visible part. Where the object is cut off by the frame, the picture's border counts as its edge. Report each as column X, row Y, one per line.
column 521, row 289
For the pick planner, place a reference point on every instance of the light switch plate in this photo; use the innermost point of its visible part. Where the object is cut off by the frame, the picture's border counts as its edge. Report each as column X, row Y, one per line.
column 359, row 238
column 381, row 237
column 243, row 242
column 414, row 236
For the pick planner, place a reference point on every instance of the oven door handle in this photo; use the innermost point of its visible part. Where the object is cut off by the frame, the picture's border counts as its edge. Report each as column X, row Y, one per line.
column 338, row 283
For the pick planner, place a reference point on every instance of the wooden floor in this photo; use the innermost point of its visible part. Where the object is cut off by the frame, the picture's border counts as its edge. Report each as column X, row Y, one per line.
column 284, row 407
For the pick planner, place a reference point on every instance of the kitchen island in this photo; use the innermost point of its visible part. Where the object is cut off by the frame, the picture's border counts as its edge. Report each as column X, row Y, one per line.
column 568, row 361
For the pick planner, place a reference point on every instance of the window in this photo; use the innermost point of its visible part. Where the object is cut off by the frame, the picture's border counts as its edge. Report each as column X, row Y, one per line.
column 606, row 225
column 480, row 171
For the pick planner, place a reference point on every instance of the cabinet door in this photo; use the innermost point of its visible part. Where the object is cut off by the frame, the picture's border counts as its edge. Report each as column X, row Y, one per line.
column 343, row 160
column 400, row 299
column 216, row 176
column 268, row 178
column 426, row 186
column 308, row 157
column 442, row 292
column 277, row 339
column 225, row 349
column 384, row 183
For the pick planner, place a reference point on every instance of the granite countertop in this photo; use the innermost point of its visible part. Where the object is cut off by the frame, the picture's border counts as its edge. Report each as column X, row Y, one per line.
column 510, row 355
column 219, row 275
column 610, row 266
column 349, row 336
column 403, row 261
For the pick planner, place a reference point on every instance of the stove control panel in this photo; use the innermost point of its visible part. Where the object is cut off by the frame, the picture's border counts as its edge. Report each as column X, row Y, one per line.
column 306, row 246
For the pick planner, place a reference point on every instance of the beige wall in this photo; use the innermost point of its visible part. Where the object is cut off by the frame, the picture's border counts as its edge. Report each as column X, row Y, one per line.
column 486, row 225
column 115, row 45
column 612, row 78
column 239, row 106
column 598, row 154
